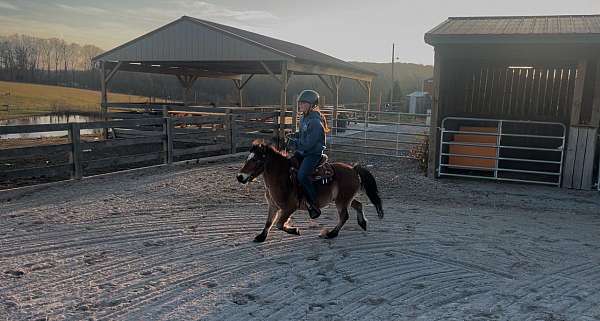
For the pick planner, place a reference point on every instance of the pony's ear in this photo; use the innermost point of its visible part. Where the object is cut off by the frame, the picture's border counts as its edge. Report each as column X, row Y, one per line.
column 258, row 142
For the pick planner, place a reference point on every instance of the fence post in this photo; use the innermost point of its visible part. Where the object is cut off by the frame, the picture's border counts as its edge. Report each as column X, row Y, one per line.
column 168, row 140
column 234, row 134
column 228, row 121
column 75, row 155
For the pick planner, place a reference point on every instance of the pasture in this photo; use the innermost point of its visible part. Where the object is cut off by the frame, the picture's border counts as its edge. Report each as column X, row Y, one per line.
column 24, row 99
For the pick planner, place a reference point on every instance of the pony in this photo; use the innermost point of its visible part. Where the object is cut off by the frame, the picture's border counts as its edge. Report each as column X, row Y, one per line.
column 283, row 196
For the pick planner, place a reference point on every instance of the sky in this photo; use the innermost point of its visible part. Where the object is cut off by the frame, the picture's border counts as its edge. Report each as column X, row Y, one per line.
column 353, row 30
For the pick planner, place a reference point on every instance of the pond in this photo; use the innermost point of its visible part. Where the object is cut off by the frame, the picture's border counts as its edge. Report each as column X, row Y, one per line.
column 62, row 118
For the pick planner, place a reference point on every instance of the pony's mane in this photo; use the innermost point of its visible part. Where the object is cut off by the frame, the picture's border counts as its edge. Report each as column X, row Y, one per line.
column 274, row 150
column 270, row 148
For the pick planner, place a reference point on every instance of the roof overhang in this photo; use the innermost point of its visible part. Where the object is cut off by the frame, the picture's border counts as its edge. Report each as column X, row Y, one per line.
column 533, row 39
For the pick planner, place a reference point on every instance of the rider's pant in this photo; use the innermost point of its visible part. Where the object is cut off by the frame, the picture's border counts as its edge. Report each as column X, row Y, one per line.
column 307, row 167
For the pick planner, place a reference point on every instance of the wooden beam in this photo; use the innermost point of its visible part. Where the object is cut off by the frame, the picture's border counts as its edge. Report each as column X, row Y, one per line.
column 175, row 71
column 362, row 85
column 595, row 120
column 104, row 97
column 307, row 69
column 243, row 84
column 113, row 71
column 284, row 85
column 578, row 93
column 327, row 84
column 271, row 73
column 336, row 81
column 435, row 112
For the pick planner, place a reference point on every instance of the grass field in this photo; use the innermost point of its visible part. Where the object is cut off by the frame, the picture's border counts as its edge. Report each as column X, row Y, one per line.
column 25, row 99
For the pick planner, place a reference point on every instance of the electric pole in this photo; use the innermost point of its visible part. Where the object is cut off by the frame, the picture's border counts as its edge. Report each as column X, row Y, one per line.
column 392, row 88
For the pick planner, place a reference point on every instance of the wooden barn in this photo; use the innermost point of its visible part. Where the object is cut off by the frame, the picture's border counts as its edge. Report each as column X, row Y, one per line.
column 517, row 99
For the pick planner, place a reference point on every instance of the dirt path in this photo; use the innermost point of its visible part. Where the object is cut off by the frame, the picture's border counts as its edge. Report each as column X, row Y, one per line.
column 175, row 244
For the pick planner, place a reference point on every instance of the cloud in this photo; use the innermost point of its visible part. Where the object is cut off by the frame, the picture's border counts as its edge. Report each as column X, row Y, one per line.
column 199, row 9
column 6, row 5
column 82, row 9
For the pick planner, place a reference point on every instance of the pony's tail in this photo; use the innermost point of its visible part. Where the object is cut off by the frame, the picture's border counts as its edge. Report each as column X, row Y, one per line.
column 369, row 185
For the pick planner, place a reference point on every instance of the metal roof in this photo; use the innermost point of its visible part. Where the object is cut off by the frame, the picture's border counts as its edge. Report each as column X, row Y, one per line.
column 517, row 29
column 418, row 94
column 206, row 46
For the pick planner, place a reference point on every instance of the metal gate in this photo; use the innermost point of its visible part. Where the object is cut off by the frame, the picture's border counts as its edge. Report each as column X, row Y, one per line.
column 389, row 134
column 504, row 150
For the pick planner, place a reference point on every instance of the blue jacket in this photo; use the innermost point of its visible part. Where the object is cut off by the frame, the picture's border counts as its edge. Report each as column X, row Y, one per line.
column 311, row 138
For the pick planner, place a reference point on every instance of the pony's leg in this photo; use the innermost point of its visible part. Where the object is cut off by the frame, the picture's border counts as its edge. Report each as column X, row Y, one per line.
column 282, row 222
column 342, row 208
column 270, row 218
column 360, row 215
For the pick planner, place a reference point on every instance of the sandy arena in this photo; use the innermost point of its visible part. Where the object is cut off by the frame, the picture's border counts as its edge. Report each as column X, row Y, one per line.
column 176, row 244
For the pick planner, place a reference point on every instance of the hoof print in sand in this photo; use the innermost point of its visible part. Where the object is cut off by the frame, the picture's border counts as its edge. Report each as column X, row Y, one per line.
column 14, row 273
column 242, row 298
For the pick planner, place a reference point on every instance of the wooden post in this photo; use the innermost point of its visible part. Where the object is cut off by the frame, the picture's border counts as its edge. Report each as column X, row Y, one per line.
column 168, row 140
column 231, row 132
column 337, row 82
column 435, row 114
column 283, row 98
column 595, row 119
column 295, row 114
column 186, row 81
column 103, row 98
column 578, row 93
column 75, row 155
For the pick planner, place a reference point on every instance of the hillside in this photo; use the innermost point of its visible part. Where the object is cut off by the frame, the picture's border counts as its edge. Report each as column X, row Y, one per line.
column 24, row 99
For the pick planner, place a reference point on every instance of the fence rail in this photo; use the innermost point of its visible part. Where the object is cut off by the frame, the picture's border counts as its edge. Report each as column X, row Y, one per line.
column 134, row 142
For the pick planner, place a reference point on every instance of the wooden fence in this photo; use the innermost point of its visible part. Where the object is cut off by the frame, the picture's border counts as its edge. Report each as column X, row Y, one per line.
column 138, row 142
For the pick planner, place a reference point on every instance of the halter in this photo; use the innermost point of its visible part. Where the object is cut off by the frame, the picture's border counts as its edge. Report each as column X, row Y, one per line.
column 261, row 163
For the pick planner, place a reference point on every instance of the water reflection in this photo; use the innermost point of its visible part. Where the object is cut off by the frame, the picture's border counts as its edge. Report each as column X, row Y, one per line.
column 50, row 119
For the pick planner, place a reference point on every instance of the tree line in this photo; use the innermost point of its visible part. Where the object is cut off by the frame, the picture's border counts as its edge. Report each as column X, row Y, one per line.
column 54, row 61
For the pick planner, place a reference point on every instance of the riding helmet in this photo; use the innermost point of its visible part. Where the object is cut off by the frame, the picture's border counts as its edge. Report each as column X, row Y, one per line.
column 309, row 96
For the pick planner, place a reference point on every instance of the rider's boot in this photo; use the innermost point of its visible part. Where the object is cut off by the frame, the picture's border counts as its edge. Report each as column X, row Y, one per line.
column 313, row 210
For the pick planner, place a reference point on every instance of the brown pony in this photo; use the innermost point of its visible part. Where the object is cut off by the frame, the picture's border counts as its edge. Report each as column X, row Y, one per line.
column 284, row 200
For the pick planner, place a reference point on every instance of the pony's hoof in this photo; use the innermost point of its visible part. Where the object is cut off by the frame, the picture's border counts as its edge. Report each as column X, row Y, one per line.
column 326, row 234
column 294, row 231
column 363, row 225
column 260, row 238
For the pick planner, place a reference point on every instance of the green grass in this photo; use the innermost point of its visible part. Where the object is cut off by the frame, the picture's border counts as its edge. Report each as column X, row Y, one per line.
column 25, row 99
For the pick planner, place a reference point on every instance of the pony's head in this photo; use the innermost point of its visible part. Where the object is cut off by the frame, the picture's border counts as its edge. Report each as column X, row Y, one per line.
column 255, row 163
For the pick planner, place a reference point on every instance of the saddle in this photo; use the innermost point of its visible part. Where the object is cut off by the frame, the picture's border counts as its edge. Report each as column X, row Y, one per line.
column 322, row 174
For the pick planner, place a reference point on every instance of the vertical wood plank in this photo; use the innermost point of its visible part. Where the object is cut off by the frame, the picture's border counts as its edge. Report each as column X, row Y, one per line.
column 570, row 158
column 595, row 120
column 578, row 92
column 579, row 158
column 588, row 164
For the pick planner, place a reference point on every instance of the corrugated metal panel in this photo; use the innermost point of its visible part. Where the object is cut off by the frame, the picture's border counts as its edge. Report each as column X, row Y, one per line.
column 293, row 49
column 189, row 41
column 551, row 25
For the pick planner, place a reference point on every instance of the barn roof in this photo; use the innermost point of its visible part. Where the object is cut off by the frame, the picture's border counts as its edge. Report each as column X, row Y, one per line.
column 517, row 29
column 204, row 46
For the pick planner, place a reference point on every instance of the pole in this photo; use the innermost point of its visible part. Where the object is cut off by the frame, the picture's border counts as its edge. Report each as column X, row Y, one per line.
column 392, row 89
